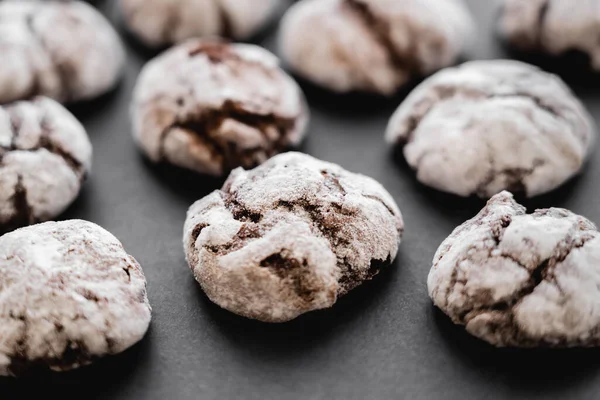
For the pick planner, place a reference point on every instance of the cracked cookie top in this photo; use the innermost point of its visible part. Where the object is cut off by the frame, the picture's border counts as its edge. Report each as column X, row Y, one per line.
column 290, row 236
column 69, row 294
column 211, row 106
column 541, row 26
column 160, row 23
column 523, row 280
column 45, row 154
column 487, row 126
column 373, row 45
column 65, row 50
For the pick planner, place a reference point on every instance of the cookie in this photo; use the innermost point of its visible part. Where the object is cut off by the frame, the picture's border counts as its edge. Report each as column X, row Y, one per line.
column 211, row 106
column 65, row 50
column 158, row 23
column 486, row 126
column 69, row 295
column 541, row 26
column 373, row 45
column 290, row 236
column 521, row 280
column 45, row 155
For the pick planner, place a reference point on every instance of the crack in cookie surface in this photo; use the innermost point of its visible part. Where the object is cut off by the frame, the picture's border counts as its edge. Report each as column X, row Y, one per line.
column 45, row 157
column 44, row 140
column 206, row 127
column 380, row 28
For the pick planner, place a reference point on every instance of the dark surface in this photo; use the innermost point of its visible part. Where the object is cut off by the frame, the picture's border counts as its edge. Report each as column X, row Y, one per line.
column 383, row 341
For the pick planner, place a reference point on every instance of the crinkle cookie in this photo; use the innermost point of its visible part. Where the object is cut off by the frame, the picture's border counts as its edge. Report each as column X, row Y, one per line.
column 522, row 280
column 554, row 27
column 45, row 154
column 159, row 23
column 290, row 236
column 211, row 106
column 69, row 294
column 486, row 126
column 65, row 50
column 373, row 45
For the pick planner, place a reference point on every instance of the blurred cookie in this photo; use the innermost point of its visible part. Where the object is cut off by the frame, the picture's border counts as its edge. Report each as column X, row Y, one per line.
column 290, row 236
column 211, row 106
column 373, row 45
column 521, row 280
column 486, row 126
column 45, row 155
column 64, row 50
column 69, row 295
column 554, row 27
column 159, row 23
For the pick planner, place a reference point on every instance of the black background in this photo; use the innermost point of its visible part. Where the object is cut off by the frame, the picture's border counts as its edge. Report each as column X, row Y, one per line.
column 383, row 341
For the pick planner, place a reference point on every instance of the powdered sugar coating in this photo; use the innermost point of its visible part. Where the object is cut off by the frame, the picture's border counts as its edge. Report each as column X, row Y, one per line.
column 211, row 106
column 523, row 280
column 69, row 294
column 63, row 50
column 542, row 25
column 159, row 23
column 290, row 236
column 45, row 155
column 373, row 45
column 486, row 126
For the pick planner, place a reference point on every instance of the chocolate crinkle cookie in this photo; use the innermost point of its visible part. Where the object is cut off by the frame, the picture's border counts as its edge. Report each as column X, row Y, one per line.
column 373, row 45
column 158, row 23
column 290, row 236
column 69, row 295
column 211, row 106
column 65, row 50
column 554, row 27
column 45, row 155
column 522, row 280
column 487, row 126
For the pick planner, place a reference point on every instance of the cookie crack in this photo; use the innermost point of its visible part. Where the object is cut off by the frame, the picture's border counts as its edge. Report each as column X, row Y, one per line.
column 64, row 72
column 543, row 272
column 334, row 181
column 205, row 127
column 541, row 20
column 381, row 32
column 44, row 142
column 293, row 270
column 515, row 178
column 445, row 93
column 496, row 233
column 383, row 203
column 535, row 99
column 224, row 19
column 23, row 213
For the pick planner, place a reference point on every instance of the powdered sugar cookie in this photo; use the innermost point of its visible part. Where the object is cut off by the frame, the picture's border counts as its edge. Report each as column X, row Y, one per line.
column 290, row 236
column 69, row 295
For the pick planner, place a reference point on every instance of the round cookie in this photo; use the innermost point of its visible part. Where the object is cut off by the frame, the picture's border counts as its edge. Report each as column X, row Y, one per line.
column 159, row 23
column 69, row 294
column 521, row 280
column 290, row 236
column 45, row 155
column 373, row 45
column 64, row 50
column 486, row 126
column 541, row 26
column 211, row 106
